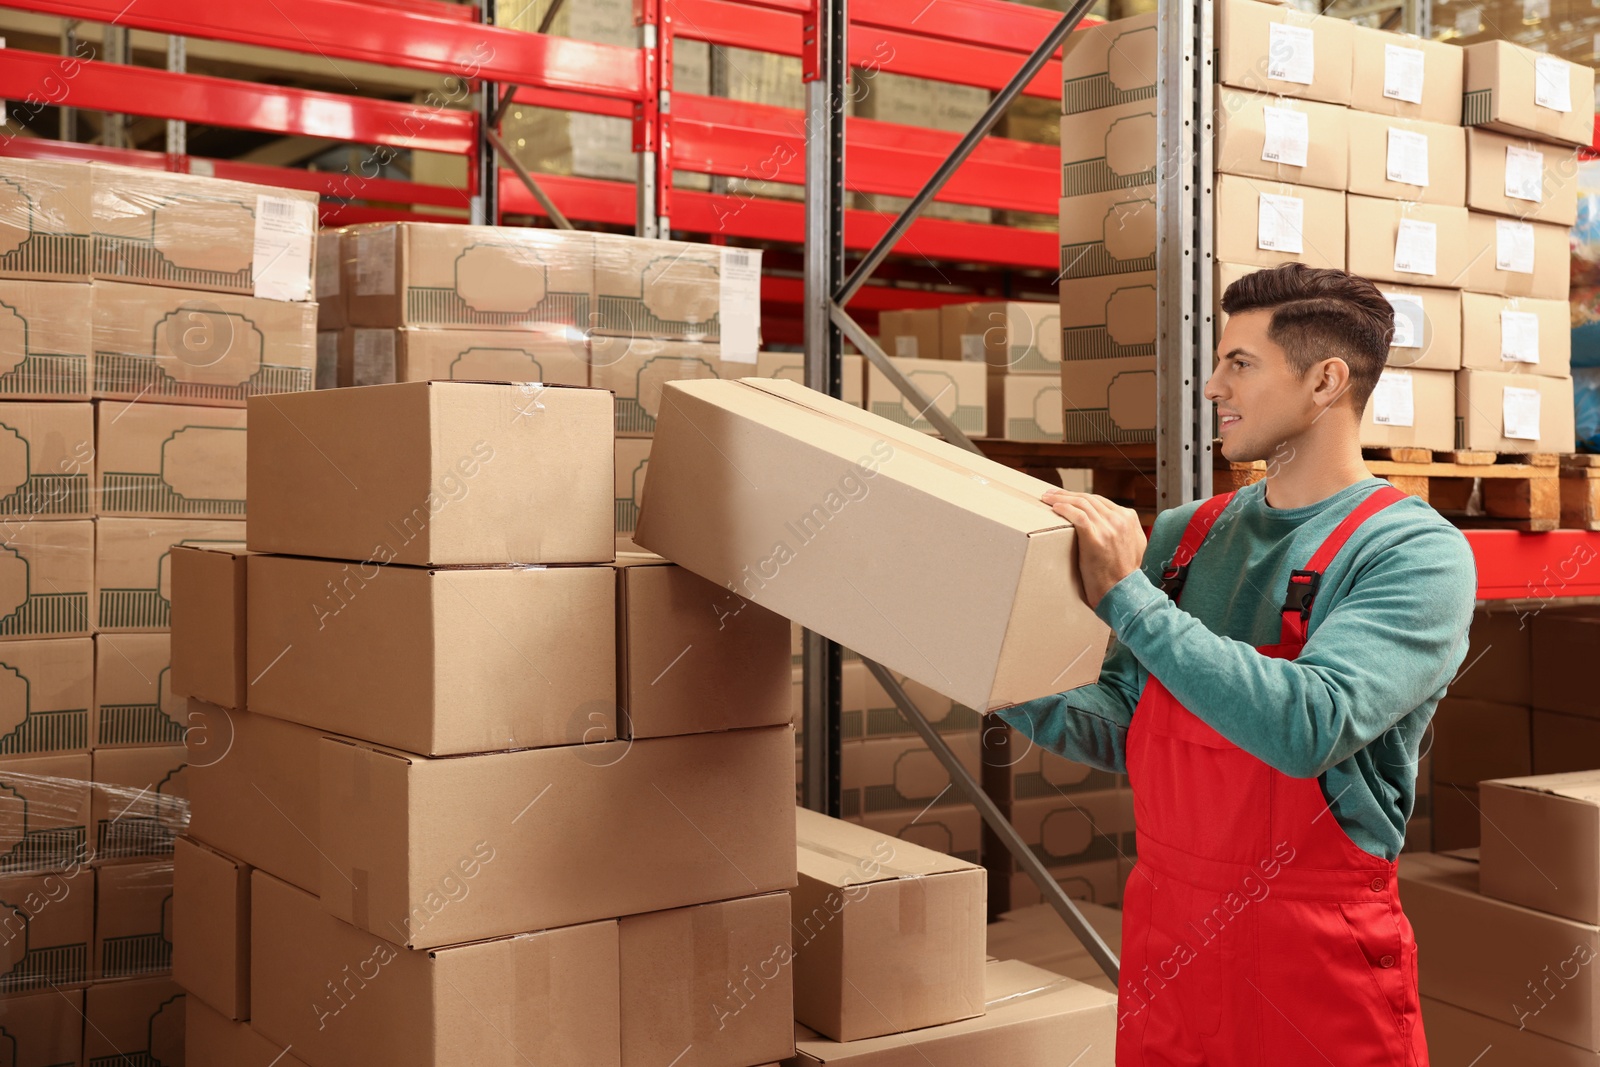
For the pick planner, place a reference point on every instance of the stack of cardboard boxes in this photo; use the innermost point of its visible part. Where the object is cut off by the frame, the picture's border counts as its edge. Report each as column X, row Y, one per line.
column 1340, row 146
column 467, row 788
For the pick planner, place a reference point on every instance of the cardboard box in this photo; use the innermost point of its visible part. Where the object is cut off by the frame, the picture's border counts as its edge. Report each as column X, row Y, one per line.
column 1428, row 333
column 439, row 662
column 1499, row 661
column 1281, row 139
column 44, row 820
column 1032, row 1016
column 1405, row 77
column 47, row 456
column 467, row 277
column 1268, row 48
column 1521, row 177
column 1037, row 935
column 428, row 1009
column 1077, row 828
column 1010, row 337
column 1037, row 773
column 1295, row 224
column 208, row 624
column 1517, row 335
column 1407, row 242
column 131, row 574
column 1517, row 90
column 1109, row 400
column 1455, row 817
column 254, row 790
column 211, row 927
column 141, row 1021
column 1111, row 317
column 46, row 573
column 1109, row 148
column 45, row 220
column 824, row 449
column 1562, row 643
column 678, row 291
column 1480, row 953
column 1099, row 882
column 889, row 936
column 133, row 919
column 958, row 389
column 901, row 773
column 45, row 332
column 1513, row 412
column 434, row 473
column 1109, row 64
column 691, row 656
column 1477, row 739
column 1407, row 159
column 1108, row 233
column 133, row 699
column 632, row 462
column 1456, row 1035
column 867, row 710
column 164, row 461
column 1563, row 743
column 909, row 334
column 637, row 369
column 176, row 346
column 554, row 357
column 729, row 959
column 141, row 801
column 331, row 311
column 46, row 1028
column 1541, row 843
column 328, row 359
column 1411, row 409
column 211, row 1040
column 46, row 931
column 1025, row 407
column 192, row 232
column 1510, row 257
column 954, row 831
column 708, row 815
column 792, row 366
column 46, row 692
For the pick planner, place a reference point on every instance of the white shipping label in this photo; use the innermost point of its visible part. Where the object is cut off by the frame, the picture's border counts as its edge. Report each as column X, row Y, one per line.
column 327, row 267
column 1416, row 246
column 281, row 253
column 1551, row 85
column 1468, row 21
column 905, row 347
column 1410, row 323
column 1280, row 222
column 374, row 358
column 1408, row 156
column 375, row 261
column 740, row 306
column 1392, row 399
column 972, row 347
column 1533, row 10
column 1291, row 53
column 1519, row 336
column 1524, row 173
column 1288, row 135
column 1519, row 414
column 1513, row 246
column 1402, row 73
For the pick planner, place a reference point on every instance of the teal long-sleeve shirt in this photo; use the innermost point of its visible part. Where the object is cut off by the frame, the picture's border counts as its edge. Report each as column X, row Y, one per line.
column 1387, row 633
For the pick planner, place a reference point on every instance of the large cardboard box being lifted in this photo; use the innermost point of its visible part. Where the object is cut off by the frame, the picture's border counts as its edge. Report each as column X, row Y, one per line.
column 786, row 497
column 889, row 936
column 1541, row 843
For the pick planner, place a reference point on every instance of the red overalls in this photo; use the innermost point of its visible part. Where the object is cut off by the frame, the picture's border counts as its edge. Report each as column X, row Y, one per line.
column 1256, row 933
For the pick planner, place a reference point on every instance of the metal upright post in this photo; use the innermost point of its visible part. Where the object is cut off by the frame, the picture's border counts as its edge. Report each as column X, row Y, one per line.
column 485, row 209
column 67, row 121
column 823, row 54
column 646, row 123
column 177, row 129
column 1184, row 253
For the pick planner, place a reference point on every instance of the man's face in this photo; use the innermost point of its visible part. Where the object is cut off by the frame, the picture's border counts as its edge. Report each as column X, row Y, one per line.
column 1261, row 402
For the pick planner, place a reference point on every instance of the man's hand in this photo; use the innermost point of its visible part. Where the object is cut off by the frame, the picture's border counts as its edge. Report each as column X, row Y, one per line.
column 1111, row 541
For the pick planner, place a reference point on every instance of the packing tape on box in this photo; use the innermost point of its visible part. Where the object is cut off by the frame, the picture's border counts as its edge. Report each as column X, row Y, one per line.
column 708, row 949
column 913, row 918
column 1029, row 994
column 859, row 861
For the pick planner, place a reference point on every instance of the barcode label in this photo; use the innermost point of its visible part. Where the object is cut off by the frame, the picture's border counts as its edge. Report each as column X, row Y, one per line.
column 276, row 208
column 734, row 257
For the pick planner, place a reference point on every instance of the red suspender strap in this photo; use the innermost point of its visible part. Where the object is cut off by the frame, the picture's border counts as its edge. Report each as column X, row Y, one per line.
column 1200, row 523
column 1303, row 583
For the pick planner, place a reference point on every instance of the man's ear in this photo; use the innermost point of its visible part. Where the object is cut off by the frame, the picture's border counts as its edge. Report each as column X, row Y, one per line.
column 1331, row 382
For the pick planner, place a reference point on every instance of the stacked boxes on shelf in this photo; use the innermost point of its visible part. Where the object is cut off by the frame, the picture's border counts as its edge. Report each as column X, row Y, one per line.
column 915, row 340
column 475, row 749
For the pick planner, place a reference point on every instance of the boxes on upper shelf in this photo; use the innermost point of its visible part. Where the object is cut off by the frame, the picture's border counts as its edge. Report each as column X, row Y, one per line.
column 47, row 570
column 45, row 333
column 1108, row 233
column 1407, row 242
column 47, row 457
column 678, row 291
column 153, row 343
column 192, row 232
column 1518, row 90
column 1267, row 224
column 45, row 220
column 208, row 624
column 1109, row 65
column 141, row 1020
column 1008, row 337
column 133, row 701
column 792, row 365
column 211, row 926
column 1427, row 327
column 141, row 801
column 1109, row 400
column 959, row 389
column 1405, row 77
column 133, row 919
column 1109, row 317
column 370, row 355
column 632, row 463
column 635, row 369
column 1282, row 139
column 46, row 693
column 1501, row 412
column 130, row 573
column 1411, row 409
column 1516, row 335
column 1512, row 257
column 910, row 334
column 167, row 461
column 1109, row 148
column 49, row 931
column 1521, row 177
column 331, row 311
column 1407, row 159
column 1026, row 407
column 1270, row 48
column 328, row 358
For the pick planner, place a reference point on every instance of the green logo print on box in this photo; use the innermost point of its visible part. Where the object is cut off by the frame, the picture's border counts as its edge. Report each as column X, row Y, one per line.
column 26, row 372
column 30, row 495
column 941, row 388
column 201, row 469
column 199, row 352
column 41, row 730
column 29, row 613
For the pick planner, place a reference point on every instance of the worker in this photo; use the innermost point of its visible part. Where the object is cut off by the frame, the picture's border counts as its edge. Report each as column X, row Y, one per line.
column 1279, row 653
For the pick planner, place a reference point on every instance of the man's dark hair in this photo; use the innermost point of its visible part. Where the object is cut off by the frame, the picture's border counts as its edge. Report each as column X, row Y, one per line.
column 1321, row 313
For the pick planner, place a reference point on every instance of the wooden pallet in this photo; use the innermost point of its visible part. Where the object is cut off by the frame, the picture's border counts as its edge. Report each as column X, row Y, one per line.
column 1580, row 491
column 1513, row 491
